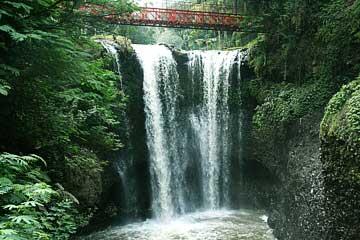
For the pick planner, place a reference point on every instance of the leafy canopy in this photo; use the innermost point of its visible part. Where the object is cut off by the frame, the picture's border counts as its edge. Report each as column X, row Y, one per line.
column 30, row 208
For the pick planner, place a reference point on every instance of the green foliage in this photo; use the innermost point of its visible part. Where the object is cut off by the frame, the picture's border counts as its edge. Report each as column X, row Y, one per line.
column 342, row 115
column 60, row 99
column 340, row 150
column 30, row 207
column 137, row 34
column 282, row 103
column 306, row 39
column 169, row 37
column 92, row 24
column 47, row 21
column 208, row 39
column 4, row 87
column 16, row 21
column 339, row 38
column 18, row 24
column 67, row 105
column 310, row 49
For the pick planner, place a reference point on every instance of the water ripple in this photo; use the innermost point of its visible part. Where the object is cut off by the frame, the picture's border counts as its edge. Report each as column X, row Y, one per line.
column 208, row 225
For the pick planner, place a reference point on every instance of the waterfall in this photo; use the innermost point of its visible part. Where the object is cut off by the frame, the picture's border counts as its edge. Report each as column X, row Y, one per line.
column 193, row 121
column 188, row 128
column 211, row 123
column 160, row 82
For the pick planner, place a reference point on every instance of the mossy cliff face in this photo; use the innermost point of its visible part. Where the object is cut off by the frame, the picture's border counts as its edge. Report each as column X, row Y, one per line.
column 282, row 167
column 134, row 155
column 306, row 176
column 340, row 156
column 287, row 180
column 296, row 203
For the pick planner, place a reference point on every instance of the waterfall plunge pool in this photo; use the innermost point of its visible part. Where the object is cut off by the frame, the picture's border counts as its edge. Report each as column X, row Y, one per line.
column 207, row 225
column 193, row 137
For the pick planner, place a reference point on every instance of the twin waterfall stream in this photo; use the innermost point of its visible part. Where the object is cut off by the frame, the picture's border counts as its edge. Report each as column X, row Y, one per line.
column 193, row 136
column 171, row 151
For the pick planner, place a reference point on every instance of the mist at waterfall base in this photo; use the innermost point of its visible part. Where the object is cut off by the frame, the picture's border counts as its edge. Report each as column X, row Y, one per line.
column 194, row 136
column 207, row 225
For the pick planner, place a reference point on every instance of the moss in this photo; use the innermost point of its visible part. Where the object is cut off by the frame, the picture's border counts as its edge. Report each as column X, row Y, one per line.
column 282, row 103
column 340, row 127
column 255, row 42
column 340, row 155
column 342, row 116
column 123, row 42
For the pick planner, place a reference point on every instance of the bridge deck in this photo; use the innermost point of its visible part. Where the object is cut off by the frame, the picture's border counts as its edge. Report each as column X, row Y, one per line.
column 175, row 18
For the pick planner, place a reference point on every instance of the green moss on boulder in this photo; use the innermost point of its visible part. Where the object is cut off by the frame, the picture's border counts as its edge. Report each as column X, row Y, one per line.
column 281, row 103
column 342, row 116
column 124, row 44
column 278, row 106
column 340, row 155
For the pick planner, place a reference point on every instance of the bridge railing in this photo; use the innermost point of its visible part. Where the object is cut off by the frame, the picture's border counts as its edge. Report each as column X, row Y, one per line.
column 192, row 6
column 179, row 18
column 196, row 18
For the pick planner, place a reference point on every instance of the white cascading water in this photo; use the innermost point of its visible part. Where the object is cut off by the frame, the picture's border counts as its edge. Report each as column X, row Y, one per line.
column 176, row 181
column 211, row 123
column 193, row 137
column 159, row 70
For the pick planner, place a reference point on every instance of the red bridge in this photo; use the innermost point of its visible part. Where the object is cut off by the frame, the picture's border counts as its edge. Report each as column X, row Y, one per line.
column 208, row 19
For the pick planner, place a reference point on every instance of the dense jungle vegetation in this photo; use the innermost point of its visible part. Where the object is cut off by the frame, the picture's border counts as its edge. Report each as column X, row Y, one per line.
column 62, row 108
column 60, row 102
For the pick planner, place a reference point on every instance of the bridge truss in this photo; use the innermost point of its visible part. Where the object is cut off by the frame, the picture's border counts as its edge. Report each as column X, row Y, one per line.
column 174, row 18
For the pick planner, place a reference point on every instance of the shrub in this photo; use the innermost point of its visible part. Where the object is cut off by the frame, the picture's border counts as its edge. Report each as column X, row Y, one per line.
column 30, row 207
